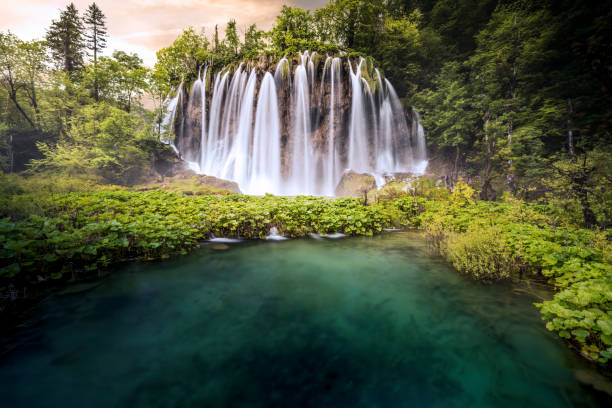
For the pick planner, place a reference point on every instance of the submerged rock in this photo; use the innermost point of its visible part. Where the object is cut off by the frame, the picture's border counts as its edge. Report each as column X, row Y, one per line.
column 354, row 184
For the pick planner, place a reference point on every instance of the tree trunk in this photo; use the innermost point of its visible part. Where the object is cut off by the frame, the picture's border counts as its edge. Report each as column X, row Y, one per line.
column 95, row 50
column 588, row 214
column 456, row 166
column 11, row 153
column 13, row 96
column 486, row 183
column 510, row 178
column 570, row 129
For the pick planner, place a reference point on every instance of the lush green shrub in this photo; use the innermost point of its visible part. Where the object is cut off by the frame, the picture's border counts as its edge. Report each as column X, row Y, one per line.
column 103, row 142
column 481, row 252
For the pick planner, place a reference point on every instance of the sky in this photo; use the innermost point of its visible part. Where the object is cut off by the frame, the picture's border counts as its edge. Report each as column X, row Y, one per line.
column 144, row 26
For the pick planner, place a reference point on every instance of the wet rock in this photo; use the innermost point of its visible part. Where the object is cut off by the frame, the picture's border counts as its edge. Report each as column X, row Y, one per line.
column 354, row 184
column 188, row 182
column 215, row 182
column 165, row 163
column 184, row 174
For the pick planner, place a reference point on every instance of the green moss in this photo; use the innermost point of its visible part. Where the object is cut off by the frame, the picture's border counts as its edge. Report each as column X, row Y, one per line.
column 187, row 185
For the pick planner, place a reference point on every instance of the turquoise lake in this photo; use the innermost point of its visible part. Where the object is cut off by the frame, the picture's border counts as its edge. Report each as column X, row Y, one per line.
column 353, row 322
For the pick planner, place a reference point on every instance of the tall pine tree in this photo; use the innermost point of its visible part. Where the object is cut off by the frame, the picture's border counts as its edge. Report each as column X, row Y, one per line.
column 65, row 39
column 95, row 36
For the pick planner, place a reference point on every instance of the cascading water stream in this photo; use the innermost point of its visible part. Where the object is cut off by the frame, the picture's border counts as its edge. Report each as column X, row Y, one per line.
column 295, row 128
column 300, row 179
column 237, row 165
column 335, row 84
column 357, row 143
column 265, row 173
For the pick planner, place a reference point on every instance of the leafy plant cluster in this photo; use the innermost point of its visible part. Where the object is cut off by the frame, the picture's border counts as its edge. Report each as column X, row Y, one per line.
column 86, row 231
column 512, row 239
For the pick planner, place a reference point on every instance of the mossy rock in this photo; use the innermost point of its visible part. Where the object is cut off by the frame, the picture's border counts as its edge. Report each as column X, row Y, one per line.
column 189, row 183
column 392, row 190
column 354, row 184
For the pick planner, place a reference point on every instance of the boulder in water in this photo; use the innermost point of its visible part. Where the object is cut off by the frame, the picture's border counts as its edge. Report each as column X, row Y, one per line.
column 354, row 184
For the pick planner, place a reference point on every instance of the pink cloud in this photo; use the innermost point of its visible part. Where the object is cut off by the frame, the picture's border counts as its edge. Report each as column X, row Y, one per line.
column 144, row 26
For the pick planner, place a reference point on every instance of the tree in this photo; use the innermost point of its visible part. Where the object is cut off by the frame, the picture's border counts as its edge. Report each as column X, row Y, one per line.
column 183, row 58
column 158, row 89
column 399, row 49
column 294, row 31
column 216, row 39
column 131, row 78
column 103, row 141
column 121, row 79
column 65, row 40
column 22, row 66
column 451, row 116
column 96, row 37
column 508, row 61
column 585, row 180
column 231, row 37
column 354, row 24
column 253, row 42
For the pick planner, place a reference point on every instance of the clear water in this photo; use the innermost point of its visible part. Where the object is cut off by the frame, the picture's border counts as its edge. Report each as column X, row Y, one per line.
column 370, row 322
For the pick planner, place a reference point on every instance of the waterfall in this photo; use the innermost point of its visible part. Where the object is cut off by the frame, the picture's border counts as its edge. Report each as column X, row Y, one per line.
column 418, row 139
column 170, row 109
column 265, row 174
column 301, row 179
column 357, row 143
column 237, row 164
column 203, row 135
column 296, row 127
column 335, row 84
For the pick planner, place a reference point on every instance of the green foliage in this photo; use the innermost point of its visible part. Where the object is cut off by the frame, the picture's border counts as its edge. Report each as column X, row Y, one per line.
column 85, row 231
column 253, row 44
column 102, row 141
column 581, row 186
column 95, row 24
column 293, row 32
column 498, row 240
column 22, row 68
column 65, row 39
column 120, row 80
column 231, row 40
column 183, row 58
column 481, row 252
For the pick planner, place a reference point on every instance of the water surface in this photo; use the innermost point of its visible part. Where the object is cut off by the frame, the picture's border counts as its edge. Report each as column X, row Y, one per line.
column 363, row 322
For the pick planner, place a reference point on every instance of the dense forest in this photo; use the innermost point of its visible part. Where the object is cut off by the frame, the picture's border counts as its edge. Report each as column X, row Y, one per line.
column 514, row 96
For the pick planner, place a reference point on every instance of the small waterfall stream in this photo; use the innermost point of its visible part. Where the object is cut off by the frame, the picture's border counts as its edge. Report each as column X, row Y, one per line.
column 296, row 126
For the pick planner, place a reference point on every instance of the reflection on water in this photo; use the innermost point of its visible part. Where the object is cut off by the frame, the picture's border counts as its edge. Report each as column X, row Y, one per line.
column 367, row 322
